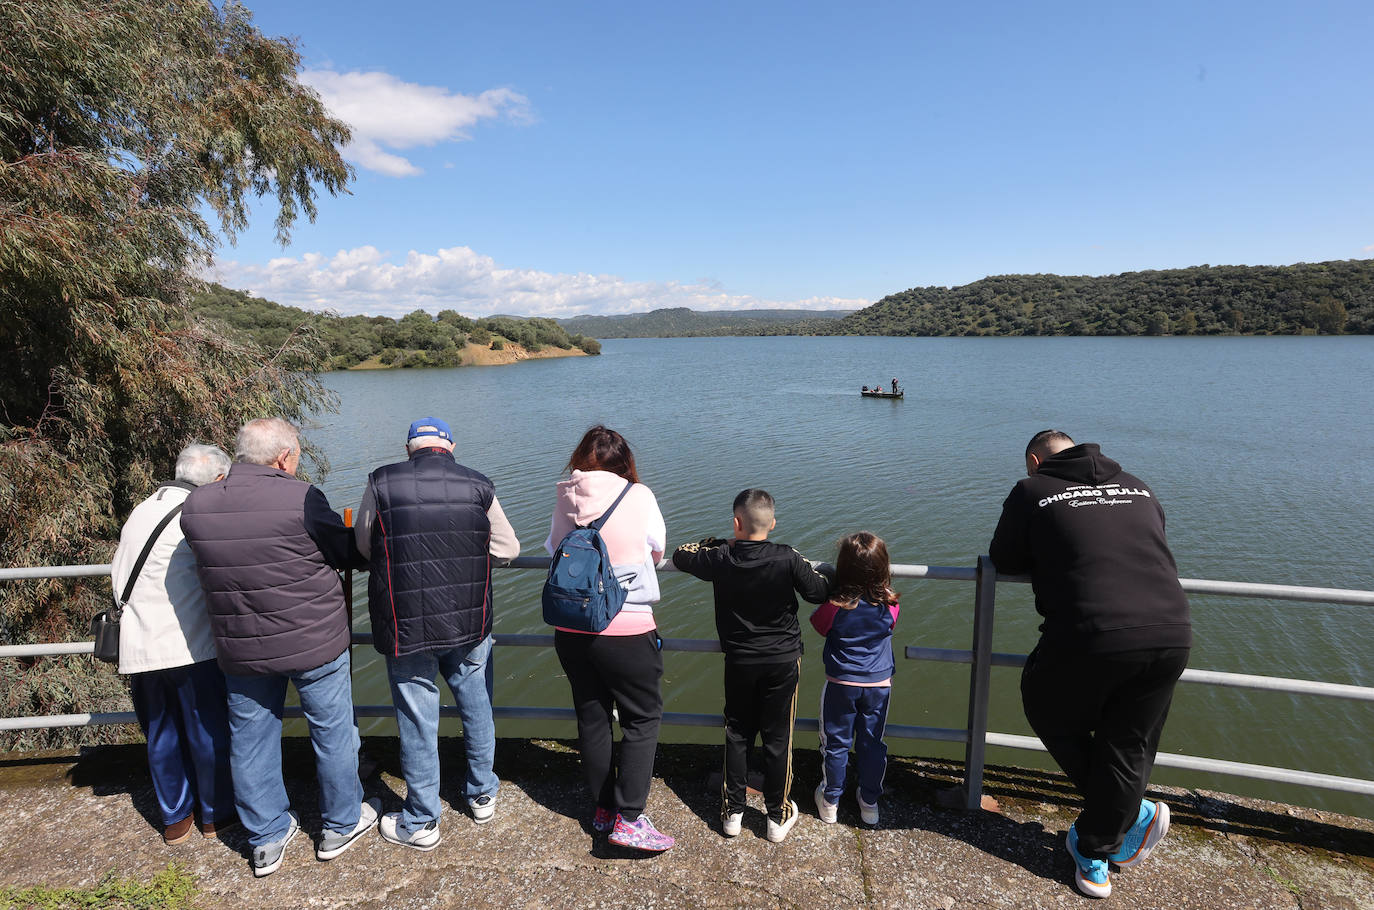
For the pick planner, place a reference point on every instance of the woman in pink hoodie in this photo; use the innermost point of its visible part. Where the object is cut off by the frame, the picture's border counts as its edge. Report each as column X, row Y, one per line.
column 622, row 665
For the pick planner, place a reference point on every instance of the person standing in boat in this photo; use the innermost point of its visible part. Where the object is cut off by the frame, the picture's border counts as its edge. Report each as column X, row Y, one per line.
column 894, row 385
column 1097, row 687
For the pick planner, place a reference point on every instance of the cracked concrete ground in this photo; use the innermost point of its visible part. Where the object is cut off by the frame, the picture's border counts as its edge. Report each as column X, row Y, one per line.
column 72, row 819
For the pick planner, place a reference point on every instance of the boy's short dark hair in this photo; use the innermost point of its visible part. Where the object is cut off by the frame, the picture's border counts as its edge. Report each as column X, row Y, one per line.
column 754, row 509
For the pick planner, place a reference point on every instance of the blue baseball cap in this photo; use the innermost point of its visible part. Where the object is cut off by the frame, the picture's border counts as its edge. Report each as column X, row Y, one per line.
column 429, row 426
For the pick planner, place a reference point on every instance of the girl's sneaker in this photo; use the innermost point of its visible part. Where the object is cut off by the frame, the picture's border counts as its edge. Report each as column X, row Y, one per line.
column 640, row 834
column 828, row 813
column 603, row 820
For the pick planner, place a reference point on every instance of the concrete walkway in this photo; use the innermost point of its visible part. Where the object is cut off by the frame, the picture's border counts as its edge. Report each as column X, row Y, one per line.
column 70, row 820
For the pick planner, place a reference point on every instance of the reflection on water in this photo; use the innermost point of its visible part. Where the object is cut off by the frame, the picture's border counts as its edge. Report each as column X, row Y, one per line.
column 1248, row 442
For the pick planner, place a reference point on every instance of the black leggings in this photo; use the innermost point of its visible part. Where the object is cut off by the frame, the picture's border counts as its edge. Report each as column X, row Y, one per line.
column 623, row 671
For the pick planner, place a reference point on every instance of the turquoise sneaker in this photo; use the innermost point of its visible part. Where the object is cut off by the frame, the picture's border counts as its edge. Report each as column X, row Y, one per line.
column 1149, row 829
column 1089, row 875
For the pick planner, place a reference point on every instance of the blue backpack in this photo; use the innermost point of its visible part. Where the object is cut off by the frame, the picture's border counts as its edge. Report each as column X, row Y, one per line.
column 582, row 591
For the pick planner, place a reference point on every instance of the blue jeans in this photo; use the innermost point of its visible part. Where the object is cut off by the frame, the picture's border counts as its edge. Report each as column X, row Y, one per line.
column 468, row 672
column 857, row 715
column 182, row 712
column 255, row 707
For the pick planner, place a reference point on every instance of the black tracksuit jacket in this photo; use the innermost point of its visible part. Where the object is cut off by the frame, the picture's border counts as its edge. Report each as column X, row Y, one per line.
column 756, row 607
column 1092, row 539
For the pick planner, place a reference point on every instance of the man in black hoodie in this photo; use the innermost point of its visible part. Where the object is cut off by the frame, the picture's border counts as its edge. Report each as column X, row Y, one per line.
column 1097, row 687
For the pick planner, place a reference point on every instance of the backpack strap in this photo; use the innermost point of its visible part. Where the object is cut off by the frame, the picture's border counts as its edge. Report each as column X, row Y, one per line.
column 596, row 525
column 143, row 557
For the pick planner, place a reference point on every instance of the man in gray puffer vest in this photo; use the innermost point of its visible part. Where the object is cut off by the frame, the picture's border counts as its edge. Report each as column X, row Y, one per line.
column 432, row 528
column 267, row 548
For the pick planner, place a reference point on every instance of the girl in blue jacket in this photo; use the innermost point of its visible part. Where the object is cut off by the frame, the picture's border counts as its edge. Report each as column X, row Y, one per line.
column 857, row 623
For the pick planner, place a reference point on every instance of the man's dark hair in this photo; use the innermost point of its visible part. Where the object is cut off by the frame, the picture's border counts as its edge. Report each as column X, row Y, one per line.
column 1041, row 441
column 754, row 509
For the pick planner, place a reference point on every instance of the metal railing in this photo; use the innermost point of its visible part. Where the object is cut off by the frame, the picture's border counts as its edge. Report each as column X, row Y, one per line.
column 981, row 658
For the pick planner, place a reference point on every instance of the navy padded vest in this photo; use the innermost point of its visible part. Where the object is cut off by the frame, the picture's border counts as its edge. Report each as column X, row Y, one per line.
column 276, row 606
column 429, row 588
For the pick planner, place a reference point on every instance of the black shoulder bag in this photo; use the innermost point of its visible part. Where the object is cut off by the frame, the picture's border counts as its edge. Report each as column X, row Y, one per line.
column 105, row 625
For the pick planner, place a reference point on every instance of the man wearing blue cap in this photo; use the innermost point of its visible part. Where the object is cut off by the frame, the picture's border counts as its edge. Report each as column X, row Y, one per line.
column 431, row 529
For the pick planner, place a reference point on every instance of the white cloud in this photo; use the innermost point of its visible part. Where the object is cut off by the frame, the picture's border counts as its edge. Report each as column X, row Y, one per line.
column 1369, row 249
column 384, row 111
column 366, row 280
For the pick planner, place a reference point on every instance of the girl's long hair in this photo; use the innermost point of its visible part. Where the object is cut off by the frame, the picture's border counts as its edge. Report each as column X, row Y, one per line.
column 862, row 569
column 603, row 449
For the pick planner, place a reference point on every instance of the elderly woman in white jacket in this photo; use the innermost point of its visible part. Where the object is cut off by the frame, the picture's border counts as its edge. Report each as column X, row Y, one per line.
column 168, row 652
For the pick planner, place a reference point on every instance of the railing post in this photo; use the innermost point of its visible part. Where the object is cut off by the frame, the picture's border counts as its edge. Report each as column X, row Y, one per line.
column 980, row 682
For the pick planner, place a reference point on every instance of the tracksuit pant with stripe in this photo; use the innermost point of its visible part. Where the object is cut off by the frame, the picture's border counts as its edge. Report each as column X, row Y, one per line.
column 853, row 715
column 760, row 700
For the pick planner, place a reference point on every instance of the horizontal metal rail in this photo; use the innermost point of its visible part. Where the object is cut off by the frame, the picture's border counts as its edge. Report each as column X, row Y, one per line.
column 1207, row 677
column 946, row 655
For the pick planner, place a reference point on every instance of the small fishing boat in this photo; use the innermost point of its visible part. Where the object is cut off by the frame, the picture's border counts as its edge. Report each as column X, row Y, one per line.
column 881, row 393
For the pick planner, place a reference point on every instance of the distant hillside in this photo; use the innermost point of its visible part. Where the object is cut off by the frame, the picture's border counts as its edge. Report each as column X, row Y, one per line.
column 417, row 339
column 1308, row 298
column 681, row 322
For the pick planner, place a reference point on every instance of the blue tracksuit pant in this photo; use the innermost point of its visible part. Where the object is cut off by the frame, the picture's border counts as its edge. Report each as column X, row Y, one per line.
column 854, row 715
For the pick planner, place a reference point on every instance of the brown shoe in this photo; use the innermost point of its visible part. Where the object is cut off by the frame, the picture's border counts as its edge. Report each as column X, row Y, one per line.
column 178, row 832
column 212, row 829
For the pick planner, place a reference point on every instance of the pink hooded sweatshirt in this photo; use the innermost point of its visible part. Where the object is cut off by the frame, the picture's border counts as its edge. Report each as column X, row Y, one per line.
column 635, row 538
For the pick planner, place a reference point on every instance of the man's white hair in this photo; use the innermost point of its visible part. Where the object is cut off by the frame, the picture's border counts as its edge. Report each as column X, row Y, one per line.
column 201, row 464
column 261, row 441
column 428, row 442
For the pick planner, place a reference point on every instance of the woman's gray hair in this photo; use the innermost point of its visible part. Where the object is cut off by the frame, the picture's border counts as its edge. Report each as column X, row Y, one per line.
column 201, row 464
column 261, row 441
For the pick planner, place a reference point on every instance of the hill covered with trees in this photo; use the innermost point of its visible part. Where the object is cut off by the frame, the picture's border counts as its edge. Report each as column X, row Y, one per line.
column 681, row 322
column 1308, row 298
column 415, row 340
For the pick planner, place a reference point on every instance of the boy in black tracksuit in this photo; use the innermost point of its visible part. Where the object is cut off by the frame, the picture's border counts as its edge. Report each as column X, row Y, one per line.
column 1115, row 639
column 756, row 618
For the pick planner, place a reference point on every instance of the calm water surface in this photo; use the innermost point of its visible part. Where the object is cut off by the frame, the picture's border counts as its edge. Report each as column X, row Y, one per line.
column 1258, row 448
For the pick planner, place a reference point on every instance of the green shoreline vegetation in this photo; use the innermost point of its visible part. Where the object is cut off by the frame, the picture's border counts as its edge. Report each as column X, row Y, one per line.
column 415, row 340
column 1327, row 298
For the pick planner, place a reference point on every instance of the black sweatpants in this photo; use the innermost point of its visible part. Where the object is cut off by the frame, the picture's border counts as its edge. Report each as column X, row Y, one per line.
column 1100, row 716
column 760, row 700
column 607, row 671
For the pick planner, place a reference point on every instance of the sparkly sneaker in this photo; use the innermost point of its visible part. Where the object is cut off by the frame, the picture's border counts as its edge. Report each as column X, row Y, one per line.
column 1089, row 875
column 603, row 820
column 828, row 813
column 1149, row 829
column 640, row 834
column 731, row 823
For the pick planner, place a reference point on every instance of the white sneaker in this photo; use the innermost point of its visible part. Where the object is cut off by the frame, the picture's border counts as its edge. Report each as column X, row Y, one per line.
column 426, row 838
column 868, row 813
column 483, row 808
column 829, row 814
column 777, row 831
column 731, row 824
column 334, row 843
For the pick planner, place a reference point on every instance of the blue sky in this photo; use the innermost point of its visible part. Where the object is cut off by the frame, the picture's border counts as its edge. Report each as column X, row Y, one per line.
column 556, row 158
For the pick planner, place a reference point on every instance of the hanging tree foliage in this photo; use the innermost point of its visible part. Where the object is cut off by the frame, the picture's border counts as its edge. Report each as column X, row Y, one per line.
column 121, row 122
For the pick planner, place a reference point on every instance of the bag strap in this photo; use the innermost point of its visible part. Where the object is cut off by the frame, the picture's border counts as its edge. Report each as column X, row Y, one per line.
column 147, row 548
column 596, row 525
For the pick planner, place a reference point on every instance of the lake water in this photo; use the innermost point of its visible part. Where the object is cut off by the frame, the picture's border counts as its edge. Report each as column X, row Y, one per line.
column 1258, row 448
